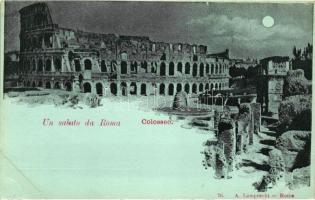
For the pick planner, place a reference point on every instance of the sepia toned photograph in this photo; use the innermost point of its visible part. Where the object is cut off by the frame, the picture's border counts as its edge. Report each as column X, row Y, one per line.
column 112, row 99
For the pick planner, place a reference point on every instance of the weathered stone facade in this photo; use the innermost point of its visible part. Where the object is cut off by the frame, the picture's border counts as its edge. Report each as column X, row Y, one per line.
column 60, row 58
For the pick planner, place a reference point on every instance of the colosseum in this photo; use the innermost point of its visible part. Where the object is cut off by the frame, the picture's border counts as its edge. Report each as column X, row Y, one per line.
column 108, row 64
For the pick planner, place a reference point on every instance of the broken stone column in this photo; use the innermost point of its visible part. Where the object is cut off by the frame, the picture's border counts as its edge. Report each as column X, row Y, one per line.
column 244, row 129
column 256, row 113
column 216, row 119
column 226, row 139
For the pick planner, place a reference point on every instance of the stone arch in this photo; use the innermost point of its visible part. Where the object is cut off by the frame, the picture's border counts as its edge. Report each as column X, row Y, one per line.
column 87, row 88
column 48, row 65
column 187, row 88
column 57, row 85
column 40, row 84
column 28, row 84
column 220, row 68
column 144, row 65
column 200, row 87
column 162, row 89
column 216, row 86
column 40, row 65
column 171, row 89
column 162, row 69
column 33, row 84
column 68, row 86
column 180, row 67
column 211, row 86
column 195, row 70
column 113, row 88
column 171, row 69
column 34, row 65
column 216, row 69
column 201, row 69
column 133, row 88
column 143, row 90
column 123, row 67
column 77, row 65
column 134, row 66
column 99, row 88
column 219, row 86
column 87, row 64
column 207, row 68
column 103, row 66
column 187, row 68
column 123, row 87
column 212, row 69
column 194, row 88
column 48, row 85
column 178, row 87
column 57, row 63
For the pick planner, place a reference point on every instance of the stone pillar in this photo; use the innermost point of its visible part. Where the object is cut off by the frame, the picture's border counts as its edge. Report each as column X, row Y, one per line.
column 226, row 138
column 216, row 119
column 256, row 112
column 244, row 129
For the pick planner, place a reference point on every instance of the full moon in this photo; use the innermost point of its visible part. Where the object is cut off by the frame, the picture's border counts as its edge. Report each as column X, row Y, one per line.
column 268, row 21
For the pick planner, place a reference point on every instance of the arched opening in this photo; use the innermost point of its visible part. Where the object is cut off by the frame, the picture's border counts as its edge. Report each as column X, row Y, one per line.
column 40, row 84
column 171, row 89
column 68, row 86
column 34, row 65
column 48, row 85
column 195, row 68
column 48, row 65
column 212, row 69
column 180, row 67
column 113, row 88
column 201, row 70
column 187, row 68
column 200, row 87
column 194, row 88
column 178, row 87
column 162, row 89
column 40, row 65
column 86, row 87
column 216, row 86
column 123, row 67
column 87, row 64
column 134, row 67
column 207, row 68
column 133, row 88
column 99, row 89
column 77, row 65
column 144, row 65
column 187, row 88
column 211, row 86
column 113, row 65
column 33, row 84
column 162, row 69
column 28, row 84
column 171, row 69
column 57, row 63
column 219, row 86
column 207, row 86
column 216, row 69
column 123, row 87
column 57, row 85
column 103, row 66
column 143, row 89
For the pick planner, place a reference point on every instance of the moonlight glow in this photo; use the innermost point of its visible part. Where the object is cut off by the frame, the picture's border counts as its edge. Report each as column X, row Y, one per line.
column 268, row 21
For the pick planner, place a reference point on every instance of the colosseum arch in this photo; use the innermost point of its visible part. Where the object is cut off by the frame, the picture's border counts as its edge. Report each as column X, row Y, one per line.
column 113, row 88
column 216, row 86
column 57, row 85
column 171, row 89
column 68, row 86
column 103, row 66
column 123, row 87
column 220, row 68
column 219, row 86
column 57, row 63
column 87, row 88
column 40, row 65
column 134, row 66
column 33, row 84
column 48, row 85
column 162, row 89
column 195, row 69
column 144, row 65
column 207, row 86
column 194, row 88
column 28, row 84
column 211, row 86
column 162, row 69
column 34, row 65
column 133, row 88
column 143, row 90
column 40, row 84
column 186, row 88
column 212, row 69
column 200, row 87
column 178, row 87
column 216, row 71
column 201, row 69
column 48, row 65
column 99, row 88
column 187, row 68
column 180, row 67
column 123, row 67
column 171, row 69
column 87, row 64
column 207, row 68
column 77, row 65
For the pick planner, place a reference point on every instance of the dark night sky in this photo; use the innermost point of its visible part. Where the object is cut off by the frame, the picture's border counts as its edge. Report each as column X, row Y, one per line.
column 236, row 26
